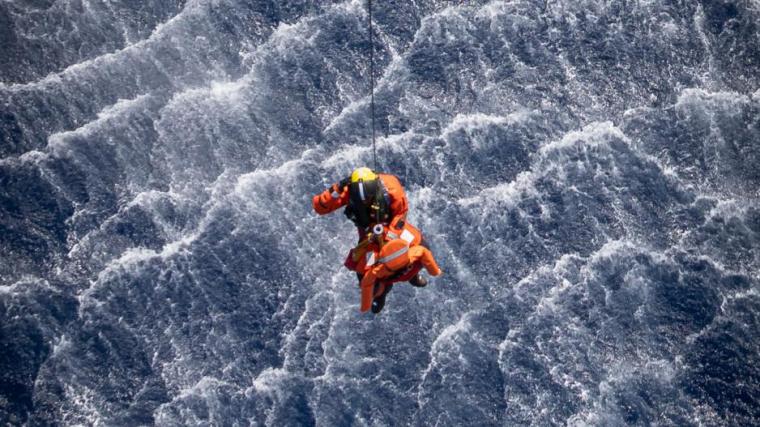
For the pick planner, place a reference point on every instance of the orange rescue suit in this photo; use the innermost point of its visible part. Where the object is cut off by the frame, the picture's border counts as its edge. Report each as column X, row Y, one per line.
column 357, row 257
column 419, row 256
column 336, row 197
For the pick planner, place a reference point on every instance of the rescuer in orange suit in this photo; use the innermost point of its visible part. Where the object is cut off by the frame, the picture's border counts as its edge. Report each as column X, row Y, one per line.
column 370, row 198
column 396, row 263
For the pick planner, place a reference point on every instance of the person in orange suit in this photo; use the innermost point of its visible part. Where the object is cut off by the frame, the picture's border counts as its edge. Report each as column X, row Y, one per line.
column 396, row 262
column 370, row 198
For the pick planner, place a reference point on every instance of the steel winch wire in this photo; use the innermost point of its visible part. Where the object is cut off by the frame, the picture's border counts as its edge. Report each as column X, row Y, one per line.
column 372, row 83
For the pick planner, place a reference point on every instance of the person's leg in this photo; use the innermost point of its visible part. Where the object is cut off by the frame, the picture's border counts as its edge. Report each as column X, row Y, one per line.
column 379, row 302
column 418, row 281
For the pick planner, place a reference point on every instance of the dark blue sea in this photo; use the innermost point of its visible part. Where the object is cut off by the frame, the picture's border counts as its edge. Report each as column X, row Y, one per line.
column 586, row 172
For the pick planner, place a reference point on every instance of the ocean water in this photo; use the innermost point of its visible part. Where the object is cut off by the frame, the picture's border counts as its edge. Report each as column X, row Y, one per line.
column 587, row 174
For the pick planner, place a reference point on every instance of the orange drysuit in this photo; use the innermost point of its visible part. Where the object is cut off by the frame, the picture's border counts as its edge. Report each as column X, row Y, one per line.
column 400, row 263
column 336, row 196
column 367, row 248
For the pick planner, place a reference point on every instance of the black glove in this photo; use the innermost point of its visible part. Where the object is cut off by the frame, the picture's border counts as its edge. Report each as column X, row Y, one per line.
column 345, row 182
column 341, row 184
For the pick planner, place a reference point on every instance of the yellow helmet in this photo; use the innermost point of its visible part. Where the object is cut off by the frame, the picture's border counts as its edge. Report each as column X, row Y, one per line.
column 363, row 174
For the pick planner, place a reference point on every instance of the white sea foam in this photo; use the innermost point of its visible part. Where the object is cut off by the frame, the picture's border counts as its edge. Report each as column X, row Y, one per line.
column 162, row 30
column 117, row 112
column 25, row 285
column 268, row 380
column 592, row 135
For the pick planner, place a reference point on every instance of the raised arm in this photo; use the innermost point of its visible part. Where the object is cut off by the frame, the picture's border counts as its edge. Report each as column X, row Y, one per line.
column 332, row 198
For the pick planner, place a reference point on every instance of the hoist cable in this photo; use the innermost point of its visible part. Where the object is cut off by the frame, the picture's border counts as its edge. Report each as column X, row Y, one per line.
column 372, row 82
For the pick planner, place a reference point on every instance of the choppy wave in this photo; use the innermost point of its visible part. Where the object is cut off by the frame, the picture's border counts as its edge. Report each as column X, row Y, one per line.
column 587, row 173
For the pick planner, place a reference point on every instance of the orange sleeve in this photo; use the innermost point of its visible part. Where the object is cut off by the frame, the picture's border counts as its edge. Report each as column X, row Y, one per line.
column 330, row 199
column 399, row 203
column 423, row 255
